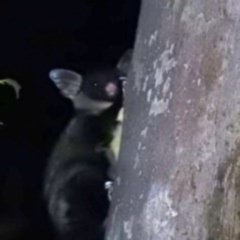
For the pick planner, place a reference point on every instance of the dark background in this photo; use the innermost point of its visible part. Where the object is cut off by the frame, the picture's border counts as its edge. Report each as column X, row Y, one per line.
column 37, row 36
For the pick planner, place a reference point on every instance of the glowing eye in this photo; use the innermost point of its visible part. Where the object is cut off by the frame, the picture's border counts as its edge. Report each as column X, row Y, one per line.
column 111, row 89
column 95, row 84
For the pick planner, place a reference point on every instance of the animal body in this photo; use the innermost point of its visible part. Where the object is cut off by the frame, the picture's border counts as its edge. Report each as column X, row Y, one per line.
column 75, row 185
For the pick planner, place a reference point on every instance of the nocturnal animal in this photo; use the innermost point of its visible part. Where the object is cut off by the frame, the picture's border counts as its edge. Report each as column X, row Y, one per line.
column 77, row 174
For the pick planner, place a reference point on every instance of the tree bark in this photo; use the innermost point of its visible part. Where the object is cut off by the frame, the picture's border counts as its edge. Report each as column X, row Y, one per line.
column 179, row 169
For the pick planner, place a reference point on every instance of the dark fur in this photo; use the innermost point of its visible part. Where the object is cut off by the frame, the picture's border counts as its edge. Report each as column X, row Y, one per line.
column 78, row 169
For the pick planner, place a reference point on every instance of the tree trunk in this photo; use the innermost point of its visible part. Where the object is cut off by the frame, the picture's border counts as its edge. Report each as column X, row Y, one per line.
column 179, row 168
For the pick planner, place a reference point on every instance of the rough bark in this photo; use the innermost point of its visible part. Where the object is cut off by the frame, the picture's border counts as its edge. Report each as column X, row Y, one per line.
column 179, row 168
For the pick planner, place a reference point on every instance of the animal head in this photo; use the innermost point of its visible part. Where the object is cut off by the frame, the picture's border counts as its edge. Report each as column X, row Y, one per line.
column 95, row 91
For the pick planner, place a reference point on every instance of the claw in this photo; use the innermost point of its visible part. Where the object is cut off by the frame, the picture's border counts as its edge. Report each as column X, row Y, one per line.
column 109, row 187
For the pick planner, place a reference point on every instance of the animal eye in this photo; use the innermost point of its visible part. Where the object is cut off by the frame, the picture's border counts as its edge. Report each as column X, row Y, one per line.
column 95, row 84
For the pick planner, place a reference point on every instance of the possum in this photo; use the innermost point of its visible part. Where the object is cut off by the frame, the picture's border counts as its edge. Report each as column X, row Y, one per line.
column 77, row 174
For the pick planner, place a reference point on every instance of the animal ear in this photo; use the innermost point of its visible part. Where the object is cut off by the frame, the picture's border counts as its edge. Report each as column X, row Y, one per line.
column 67, row 81
column 124, row 62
